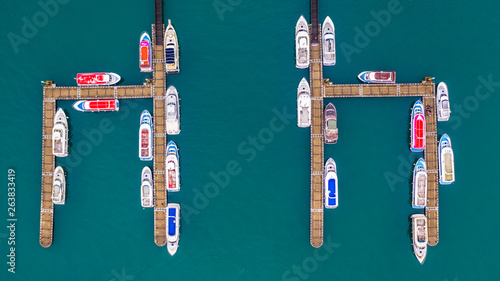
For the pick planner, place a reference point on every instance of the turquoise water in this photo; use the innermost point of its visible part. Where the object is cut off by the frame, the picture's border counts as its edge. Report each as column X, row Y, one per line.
column 237, row 72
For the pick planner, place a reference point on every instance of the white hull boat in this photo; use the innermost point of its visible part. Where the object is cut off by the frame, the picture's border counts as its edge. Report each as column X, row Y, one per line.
column 146, row 137
column 302, row 45
column 446, row 161
column 59, row 187
column 60, row 134
column 443, row 102
column 171, row 50
column 173, row 227
column 419, row 198
column 328, row 37
column 147, row 191
column 420, row 236
column 173, row 114
column 172, row 161
column 331, row 185
column 303, row 104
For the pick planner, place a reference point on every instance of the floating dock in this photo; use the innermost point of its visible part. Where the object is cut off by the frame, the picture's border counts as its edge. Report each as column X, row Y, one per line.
column 323, row 88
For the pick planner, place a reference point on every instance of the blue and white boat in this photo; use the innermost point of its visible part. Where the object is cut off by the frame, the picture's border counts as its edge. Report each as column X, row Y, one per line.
column 171, row 50
column 331, row 185
column 377, row 77
column 172, row 162
column 446, row 161
column 173, row 226
column 146, row 137
column 419, row 198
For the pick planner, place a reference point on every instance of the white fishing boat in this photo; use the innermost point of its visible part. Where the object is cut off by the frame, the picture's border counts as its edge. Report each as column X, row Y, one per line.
column 173, row 227
column 302, row 43
column 446, row 161
column 303, row 104
column 172, row 160
column 59, row 187
column 146, row 137
column 419, row 198
column 443, row 102
column 147, row 190
column 171, row 50
column 328, row 36
column 420, row 237
column 173, row 114
column 331, row 184
column 60, row 134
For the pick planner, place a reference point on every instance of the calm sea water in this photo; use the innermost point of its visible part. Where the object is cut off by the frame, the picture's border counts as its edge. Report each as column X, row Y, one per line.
column 237, row 84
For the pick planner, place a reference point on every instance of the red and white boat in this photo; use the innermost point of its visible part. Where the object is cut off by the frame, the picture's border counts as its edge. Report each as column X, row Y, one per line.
column 377, row 76
column 145, row 53
column 96, row 105
column 97, row 79
column 146, row 137
column 417, row 127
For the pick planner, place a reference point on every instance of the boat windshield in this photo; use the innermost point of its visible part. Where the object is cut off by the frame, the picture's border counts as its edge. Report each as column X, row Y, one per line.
column 332, row 124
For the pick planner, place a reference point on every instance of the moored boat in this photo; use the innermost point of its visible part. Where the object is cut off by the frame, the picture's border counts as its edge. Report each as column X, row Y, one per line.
column 60, row 134
column 97, row 105
column 171, row 50
column 419, row 198
column 303, row 104
column 145, row 53
column 302, row 43
column 172, row 161
column 443, row 102
column 97, row 79
column 331, row 130
column 173, row 113
column 417, row 127
column 331, row 184
column 59, row 186
column 147, row 191
column 146, row 137
column 377, row 76
column 173, row 227
column 328, row 36
column 420, row 236
column 446, row 161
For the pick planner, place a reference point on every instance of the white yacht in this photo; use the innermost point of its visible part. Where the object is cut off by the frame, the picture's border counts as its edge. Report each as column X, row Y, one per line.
column 303, row 104
column 173, row 114
column 59, row 186
column 173, row 226
column 446, row 161
column 331, row 185
column 146, row 137
column 328, row 37
column 419, row 198
column 302, row 43
column 60, row 134
column 443, row 102
column 147, row 190
column 171, row 50
column 172, row 162
column 419, row 234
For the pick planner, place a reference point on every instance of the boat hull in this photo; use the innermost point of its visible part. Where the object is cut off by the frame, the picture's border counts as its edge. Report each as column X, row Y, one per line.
column 302, row 44
column 59, row 187
column 171, row 50
column 331, row 185
column 97, row 79
column 331, row 134
column 173, row 111
column 419, row 198
column 378, row 77
column 60, row 134
column 328, row 38
column 303, row 104
column 97, row 105
column 446, row 161
column 145, row 53
column 146, row 137
column 147, row 190
column 173, row 172
column 417, row 127
column 443, row 103
column 173, row 227
column 419, row 236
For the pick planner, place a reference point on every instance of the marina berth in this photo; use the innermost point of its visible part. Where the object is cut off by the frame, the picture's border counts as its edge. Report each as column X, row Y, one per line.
column 328, row 35
column 60, row 134
column 147, row 190
column 97, row 105
column 145, row 53
column 417, row 127
column 97, row 79
column 330, row 120
column 420, row 236
column 146, row 137
column 303, row 104
column 59, row 187
column 173, row 227
column 172, row 162
column 443, row 102
column 446, row 161
column 377, row 77
column 302, row 42
column 171, row 50
column 173, row 113
column 331, row 184
column 419, row 198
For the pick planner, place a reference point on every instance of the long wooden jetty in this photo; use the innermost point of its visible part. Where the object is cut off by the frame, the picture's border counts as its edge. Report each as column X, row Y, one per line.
column 323, row 88
column 155, row 90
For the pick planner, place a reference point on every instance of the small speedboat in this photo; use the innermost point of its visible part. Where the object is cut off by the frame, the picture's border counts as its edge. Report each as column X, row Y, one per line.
column 171, row 50
column 146, row 137
column 446, row 161
column 173, row 226
column 172, row 162
column 417, row 127
column 443, row 102
column 303, row 104
column 328, row 36
column 97, row 105
column 147, row 190
column 60, row 134
column 302, row 43
column 331, row 185
column 145, row 53
column 420, row 236
column 331, row 130
column 97, row 79
column 59, row 186
column 419, row 198
column 377, row 76
column 173, row 114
